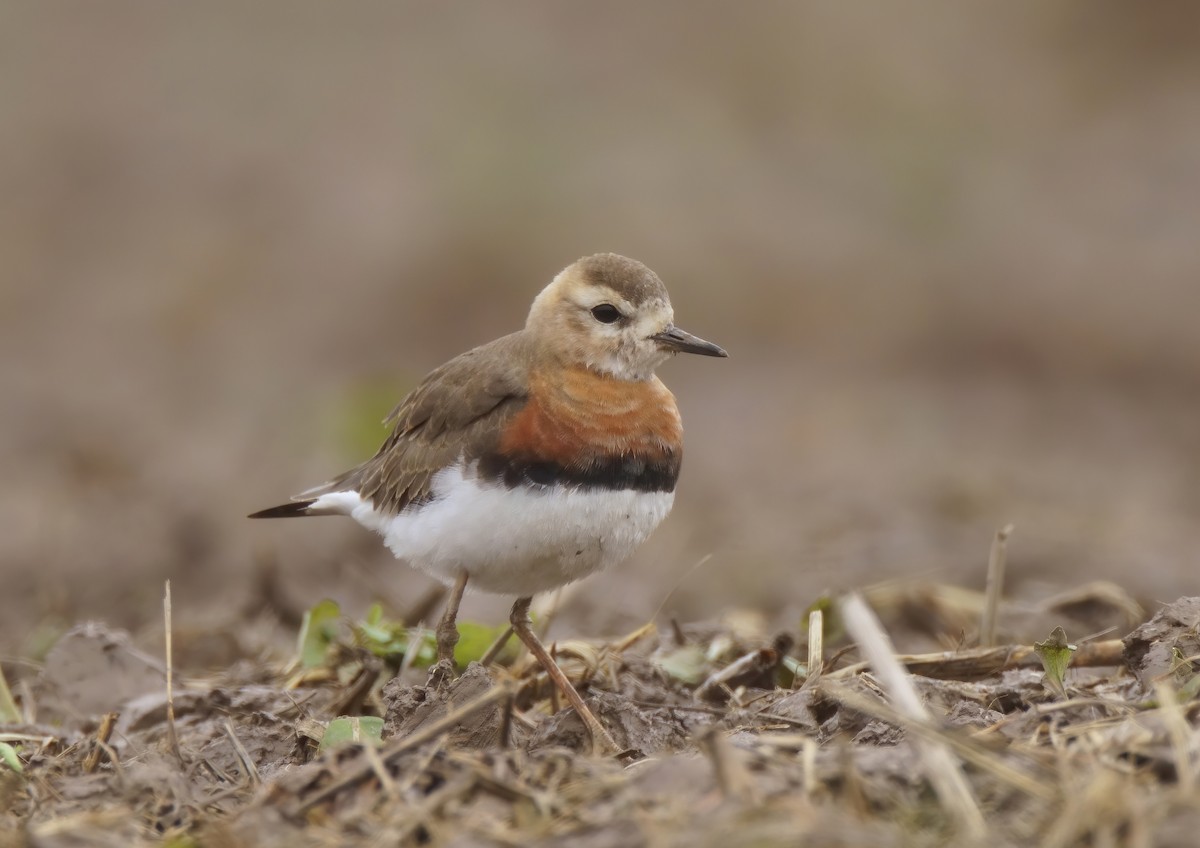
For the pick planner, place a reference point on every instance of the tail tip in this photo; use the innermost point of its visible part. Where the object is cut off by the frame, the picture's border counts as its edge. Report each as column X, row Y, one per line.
column 294, row 509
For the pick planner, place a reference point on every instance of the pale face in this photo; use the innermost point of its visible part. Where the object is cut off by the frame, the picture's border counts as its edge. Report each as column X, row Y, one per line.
column 619, row 336
column 586, row 322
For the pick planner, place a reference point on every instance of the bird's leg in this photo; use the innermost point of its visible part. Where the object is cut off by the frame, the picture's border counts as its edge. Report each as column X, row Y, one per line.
column 602, row 742
column 448, row 631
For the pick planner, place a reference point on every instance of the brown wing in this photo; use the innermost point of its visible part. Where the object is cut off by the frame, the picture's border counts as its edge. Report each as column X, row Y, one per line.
column 459, row 410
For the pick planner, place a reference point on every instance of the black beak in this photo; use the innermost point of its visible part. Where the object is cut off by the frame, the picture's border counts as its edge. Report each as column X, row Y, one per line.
column 677, row 341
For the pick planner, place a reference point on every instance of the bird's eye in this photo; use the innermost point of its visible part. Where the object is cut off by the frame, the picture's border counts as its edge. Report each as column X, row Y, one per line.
column 606, row 313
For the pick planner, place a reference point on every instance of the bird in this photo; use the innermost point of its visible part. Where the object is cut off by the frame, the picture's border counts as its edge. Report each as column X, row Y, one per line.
column 533, row 460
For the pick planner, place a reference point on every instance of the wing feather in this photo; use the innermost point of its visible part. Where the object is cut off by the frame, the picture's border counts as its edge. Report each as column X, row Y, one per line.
column 459, row 411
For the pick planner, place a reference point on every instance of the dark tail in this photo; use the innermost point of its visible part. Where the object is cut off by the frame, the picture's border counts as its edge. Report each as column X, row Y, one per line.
column 295, row 509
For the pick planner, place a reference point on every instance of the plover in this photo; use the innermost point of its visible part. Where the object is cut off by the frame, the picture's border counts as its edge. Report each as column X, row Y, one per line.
column 533, row 460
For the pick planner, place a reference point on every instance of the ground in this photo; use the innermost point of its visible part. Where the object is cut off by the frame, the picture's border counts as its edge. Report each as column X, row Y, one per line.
column 952, row 256
column 727, row 739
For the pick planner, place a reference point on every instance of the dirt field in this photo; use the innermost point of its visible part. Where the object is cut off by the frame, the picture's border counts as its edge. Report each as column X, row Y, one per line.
column 950, row 247
column 728, row 740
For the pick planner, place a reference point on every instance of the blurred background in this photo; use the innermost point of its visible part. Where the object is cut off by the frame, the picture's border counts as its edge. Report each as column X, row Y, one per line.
column 951, row 248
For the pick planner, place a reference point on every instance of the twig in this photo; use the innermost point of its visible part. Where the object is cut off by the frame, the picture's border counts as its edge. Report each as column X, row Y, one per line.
column 974, row 663
column 248, row 766
column 118, row 769
column 997, row 560
column 943, row 771
column 496, row 647
column 694, row 708
column 506, row 722
column 371, row 754
column 356, row 692
column 103, row 734
column 408, row 779
column 816, row 646
column 172, row 735
column 630, row 639
column 417, row 818
column 756, row 660
column 979, row 757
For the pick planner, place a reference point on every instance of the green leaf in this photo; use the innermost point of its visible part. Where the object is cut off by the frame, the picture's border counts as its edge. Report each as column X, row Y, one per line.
column 9, row 714
column 388, row 638
column 831, row 619
column 8, row 756
column 687, row 663
column 791, row 670
column 317, row 633
column 378, row 638
column 1055, row 654
column 343, row 730
column 474, row 639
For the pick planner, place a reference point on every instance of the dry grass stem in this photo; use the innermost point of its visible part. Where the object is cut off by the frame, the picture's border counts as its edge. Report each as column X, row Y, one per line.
column 942, row 770
column 172, row 734
column 977, row 663
column 852, row 752
column 379, row 769
column 629, row 640
column 997, row 560
column 249, row 769
column 103, row 734
column 719, row 679
column 496, row 647
column 816, row 645
column 966, row 749
column 399, row 747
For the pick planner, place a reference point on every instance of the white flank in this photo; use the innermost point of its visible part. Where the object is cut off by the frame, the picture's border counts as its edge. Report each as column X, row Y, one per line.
column 516, row 541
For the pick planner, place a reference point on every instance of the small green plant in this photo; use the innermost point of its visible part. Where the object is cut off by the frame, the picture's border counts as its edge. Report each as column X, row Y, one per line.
column 8, row 756
column 344, row 730
column 388, row 639
column 474, row 639
column 9, row 714
column 324, row 627
column 688, row 663
column 1055, row 654
column 318, row 632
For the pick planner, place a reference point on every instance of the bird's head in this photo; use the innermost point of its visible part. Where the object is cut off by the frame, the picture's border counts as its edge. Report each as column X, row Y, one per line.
column 613, row 315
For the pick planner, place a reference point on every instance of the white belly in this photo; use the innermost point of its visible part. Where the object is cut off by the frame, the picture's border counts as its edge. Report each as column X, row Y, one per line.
column 511, row 541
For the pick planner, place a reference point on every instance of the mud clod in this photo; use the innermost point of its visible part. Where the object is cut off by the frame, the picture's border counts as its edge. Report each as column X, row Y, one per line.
column 1159, row 646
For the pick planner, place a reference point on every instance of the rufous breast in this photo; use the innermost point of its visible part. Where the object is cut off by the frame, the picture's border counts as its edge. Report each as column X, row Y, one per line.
column 585, row 429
